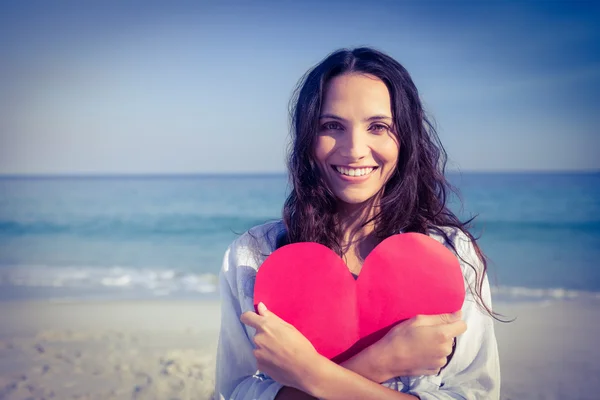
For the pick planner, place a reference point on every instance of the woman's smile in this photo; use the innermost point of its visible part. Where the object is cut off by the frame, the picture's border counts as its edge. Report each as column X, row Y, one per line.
column 354, row 174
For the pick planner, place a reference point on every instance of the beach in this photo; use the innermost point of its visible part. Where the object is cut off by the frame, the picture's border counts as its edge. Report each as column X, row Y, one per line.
column 108, row 350
column 166, row 349
column 550, row 351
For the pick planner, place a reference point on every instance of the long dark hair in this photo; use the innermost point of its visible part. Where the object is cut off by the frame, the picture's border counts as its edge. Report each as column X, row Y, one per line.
column 415, row 197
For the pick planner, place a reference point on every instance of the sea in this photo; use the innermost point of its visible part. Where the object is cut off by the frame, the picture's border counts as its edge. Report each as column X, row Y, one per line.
column 146, row 237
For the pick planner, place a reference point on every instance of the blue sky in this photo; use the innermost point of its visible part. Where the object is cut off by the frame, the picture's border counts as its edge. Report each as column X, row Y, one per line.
column 203, row 87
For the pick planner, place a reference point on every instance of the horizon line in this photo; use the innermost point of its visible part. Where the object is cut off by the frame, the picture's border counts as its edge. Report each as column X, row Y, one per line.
column 260, row 174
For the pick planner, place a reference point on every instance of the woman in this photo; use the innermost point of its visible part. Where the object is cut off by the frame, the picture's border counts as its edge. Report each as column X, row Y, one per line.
column 365, row 164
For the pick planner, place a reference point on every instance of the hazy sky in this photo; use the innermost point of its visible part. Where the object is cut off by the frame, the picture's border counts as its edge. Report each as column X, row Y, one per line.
column 187, row 87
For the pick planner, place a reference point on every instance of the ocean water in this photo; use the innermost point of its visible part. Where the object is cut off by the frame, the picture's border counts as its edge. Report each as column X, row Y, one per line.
column 141, row 237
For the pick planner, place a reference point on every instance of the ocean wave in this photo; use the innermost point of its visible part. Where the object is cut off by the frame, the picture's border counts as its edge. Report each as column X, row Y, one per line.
column 193, row 224
column 555, row 293
column 156, row 281
column 589, row 226
column 171, row 282
column 133, row 226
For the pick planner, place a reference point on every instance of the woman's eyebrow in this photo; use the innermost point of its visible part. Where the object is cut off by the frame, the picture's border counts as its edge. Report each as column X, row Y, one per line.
column 379, row 118
column 373, row 118
column 331, row 116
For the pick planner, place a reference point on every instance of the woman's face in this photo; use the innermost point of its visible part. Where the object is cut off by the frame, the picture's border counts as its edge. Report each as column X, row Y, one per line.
column 356, row 148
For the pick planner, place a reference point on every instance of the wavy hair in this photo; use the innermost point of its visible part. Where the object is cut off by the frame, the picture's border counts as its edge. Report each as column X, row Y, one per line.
column 414, row 199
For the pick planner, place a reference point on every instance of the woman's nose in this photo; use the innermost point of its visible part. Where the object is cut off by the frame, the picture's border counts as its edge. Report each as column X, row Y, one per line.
column 355, row 145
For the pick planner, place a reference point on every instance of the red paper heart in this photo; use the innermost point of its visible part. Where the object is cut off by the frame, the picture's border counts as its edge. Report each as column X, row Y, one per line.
column 309, row 286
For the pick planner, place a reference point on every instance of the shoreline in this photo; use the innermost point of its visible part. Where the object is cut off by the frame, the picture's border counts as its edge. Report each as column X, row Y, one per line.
column 157, row 349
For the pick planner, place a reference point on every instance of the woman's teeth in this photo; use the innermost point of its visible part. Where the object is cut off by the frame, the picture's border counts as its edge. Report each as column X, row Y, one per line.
column 354, row 171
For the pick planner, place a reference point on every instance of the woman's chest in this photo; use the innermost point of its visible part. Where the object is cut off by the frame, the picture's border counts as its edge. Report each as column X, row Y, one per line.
column 353, row 262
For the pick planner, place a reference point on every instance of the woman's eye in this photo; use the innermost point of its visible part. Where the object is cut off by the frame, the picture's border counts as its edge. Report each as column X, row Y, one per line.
column 331, row 126
column 379, row 128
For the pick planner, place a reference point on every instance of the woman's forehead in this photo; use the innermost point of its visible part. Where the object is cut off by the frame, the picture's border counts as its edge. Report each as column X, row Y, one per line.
column 356, row 95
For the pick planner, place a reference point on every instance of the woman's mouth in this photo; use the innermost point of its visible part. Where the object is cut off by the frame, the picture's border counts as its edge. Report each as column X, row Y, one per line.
column 353, row 173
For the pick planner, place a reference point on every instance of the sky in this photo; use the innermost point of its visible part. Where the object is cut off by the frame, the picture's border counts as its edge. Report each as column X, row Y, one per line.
column 134, row 87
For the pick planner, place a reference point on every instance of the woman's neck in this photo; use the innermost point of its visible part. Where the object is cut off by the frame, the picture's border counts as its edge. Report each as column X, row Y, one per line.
column 356, row 225
column 358, row 235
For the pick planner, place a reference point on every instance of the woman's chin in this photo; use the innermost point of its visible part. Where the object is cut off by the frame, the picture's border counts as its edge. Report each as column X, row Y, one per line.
column 353, row 200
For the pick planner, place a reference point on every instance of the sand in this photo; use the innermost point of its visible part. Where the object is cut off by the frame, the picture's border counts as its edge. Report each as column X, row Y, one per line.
column 121, row 350
column 550, row 351
column 166, row 350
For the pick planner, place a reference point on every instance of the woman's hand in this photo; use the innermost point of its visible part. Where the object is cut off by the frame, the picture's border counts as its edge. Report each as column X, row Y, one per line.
column 420, row 345
column 282, row 352
column 417, row 346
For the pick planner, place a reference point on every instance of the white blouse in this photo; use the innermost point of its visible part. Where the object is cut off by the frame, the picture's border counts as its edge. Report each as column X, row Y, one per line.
column 473, row 372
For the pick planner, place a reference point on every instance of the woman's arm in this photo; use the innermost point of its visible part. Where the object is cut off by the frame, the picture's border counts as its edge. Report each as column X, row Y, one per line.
column 418, row 346
column 287, row 356
column 400, row 352
column 236, row 372
column 334, row 382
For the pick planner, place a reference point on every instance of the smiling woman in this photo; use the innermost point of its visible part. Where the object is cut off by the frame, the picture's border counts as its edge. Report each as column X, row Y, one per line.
column 356, row 147
column 365, row 165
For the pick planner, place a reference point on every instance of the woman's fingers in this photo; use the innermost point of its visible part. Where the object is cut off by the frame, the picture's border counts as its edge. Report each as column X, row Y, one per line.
column 264, row 319
column 269, row 315
column 455, row 329
column 262, row 309
column 251, row 319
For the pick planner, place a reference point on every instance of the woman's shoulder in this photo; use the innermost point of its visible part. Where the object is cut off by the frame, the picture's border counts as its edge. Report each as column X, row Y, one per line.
column 261, row 236
column 254, row 245
column 450, row 235
column 459, row 242
column 244, row 256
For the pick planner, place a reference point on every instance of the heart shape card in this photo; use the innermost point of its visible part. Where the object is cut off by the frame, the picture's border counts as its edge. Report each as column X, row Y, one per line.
column 310, row 287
